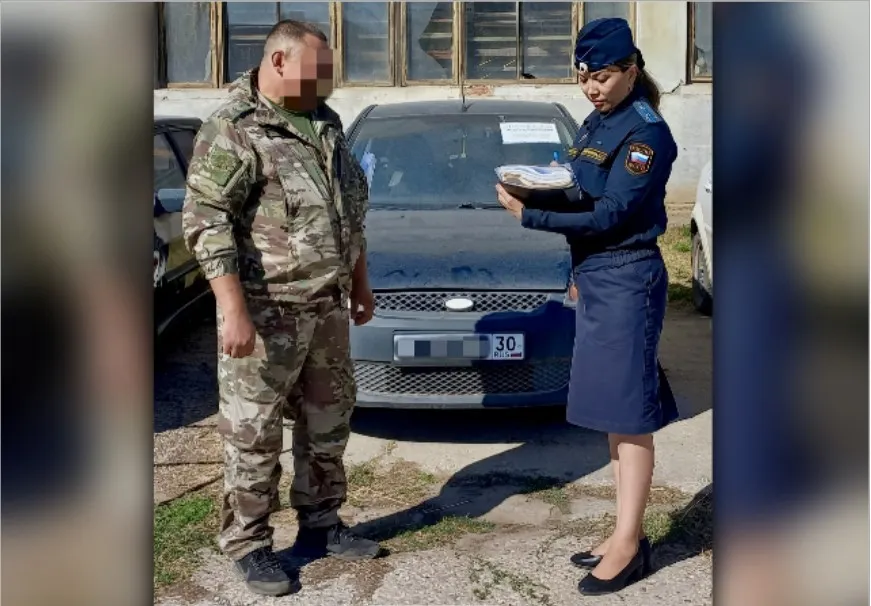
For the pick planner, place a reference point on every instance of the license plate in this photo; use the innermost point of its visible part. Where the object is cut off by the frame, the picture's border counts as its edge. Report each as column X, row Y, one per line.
column 430, row 348
column 506, row 347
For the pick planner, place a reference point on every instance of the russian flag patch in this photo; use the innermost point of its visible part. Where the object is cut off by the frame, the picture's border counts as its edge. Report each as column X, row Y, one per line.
column 639, row 158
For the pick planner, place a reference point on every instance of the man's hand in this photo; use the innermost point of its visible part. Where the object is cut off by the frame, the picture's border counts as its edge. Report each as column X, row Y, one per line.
column 362, row 304
column 238, row 335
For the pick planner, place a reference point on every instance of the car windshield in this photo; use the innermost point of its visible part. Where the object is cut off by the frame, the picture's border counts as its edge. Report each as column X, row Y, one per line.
column 449, row 160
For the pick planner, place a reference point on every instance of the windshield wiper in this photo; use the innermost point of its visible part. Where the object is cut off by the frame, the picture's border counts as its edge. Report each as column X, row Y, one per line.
column 474, row 206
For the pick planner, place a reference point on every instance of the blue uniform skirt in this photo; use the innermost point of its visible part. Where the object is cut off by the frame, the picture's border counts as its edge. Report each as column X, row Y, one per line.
column 617, row 384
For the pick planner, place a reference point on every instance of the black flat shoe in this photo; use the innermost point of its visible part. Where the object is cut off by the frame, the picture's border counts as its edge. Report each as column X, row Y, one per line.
column 634, row 571
column 586, row 559
column 647, row 555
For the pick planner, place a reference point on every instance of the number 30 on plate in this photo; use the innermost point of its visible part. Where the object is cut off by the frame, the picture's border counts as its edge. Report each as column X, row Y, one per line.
column 506, row 347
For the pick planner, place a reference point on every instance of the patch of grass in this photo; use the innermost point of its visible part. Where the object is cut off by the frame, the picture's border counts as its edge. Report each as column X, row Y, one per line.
column 658, row 525
column 555, row 496
column 400, row 485
column 181, row 529
column 360, row 475
column 599, row 528
column 666, row 495
column 560, row 493
column 676, row 245
column 486, row 576
column 690, row 527
column 550, row 490
column 445, row 532
column 365, row 576
column 680, row 295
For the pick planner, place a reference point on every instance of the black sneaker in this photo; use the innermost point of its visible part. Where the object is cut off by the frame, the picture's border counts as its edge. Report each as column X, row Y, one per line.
column 262, row 573
column 337, row 541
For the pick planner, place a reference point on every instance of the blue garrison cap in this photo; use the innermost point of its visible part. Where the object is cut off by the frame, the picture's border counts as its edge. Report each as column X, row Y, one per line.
column 604, row 42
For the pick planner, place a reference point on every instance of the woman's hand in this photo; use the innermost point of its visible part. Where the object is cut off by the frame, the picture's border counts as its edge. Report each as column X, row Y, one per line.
column 509, row 202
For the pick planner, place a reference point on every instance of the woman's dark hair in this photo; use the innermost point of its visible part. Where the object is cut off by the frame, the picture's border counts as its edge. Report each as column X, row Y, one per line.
column 651, row 88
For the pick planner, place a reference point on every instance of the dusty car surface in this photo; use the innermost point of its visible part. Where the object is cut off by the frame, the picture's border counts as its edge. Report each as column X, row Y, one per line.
column 178, row 280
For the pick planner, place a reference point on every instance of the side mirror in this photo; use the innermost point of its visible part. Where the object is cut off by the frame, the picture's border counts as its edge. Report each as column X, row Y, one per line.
column 167, row 201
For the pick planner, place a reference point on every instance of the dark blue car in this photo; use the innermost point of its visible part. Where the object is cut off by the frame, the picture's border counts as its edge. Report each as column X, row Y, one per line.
column 472, row 310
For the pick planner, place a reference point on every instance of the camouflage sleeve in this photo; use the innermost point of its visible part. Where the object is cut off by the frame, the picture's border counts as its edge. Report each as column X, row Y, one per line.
column 218, row 183
column 357, row 192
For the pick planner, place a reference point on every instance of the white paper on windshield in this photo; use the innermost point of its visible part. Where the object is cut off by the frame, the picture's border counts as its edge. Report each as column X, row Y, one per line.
column 528, row 132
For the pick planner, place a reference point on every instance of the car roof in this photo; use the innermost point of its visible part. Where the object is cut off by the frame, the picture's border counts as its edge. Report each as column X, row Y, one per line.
column 478, row 106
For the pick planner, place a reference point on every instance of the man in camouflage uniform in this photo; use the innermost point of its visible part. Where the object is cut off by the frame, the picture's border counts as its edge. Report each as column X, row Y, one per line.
column 274, row 213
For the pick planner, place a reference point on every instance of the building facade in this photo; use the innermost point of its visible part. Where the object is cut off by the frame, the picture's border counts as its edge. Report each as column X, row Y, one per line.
column 401, row 51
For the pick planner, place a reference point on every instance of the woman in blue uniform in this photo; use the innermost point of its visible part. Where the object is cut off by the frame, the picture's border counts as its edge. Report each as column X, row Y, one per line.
column 622, row 159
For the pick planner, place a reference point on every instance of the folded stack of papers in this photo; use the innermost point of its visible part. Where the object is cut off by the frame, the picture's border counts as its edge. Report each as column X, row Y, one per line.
column 535, row 177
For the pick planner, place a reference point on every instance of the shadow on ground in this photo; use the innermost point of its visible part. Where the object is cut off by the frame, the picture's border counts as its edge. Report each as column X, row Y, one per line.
column 185, row 371
column 691, row 531
column 550, row 453
column 547, row 452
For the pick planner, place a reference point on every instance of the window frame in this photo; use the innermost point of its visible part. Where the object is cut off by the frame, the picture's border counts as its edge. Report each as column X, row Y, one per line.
column 463, row 48
column 398, row 54
column 402, row 42
column 339, row 69
column 171, row 133
column 180, row 162
column 219, row 34
column 691, row 48
column 214, row 40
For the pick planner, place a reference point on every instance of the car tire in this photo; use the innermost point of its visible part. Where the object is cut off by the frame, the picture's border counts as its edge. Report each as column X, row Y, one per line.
column 703, row 300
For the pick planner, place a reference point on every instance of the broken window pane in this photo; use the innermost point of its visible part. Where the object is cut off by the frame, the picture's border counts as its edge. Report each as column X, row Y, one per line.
column 430, row 27
column 703, row 47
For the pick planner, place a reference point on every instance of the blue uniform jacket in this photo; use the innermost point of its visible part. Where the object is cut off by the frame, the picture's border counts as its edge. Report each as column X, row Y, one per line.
column 622, row 163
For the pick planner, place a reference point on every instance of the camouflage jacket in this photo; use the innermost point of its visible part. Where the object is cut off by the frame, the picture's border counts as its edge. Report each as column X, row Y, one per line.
column 284, row 212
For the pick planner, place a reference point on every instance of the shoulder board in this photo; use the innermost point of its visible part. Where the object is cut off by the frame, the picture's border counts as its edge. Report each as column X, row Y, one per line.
column 646, row 112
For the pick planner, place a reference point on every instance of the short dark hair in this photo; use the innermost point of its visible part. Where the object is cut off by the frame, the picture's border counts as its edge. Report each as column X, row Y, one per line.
column 294, row 30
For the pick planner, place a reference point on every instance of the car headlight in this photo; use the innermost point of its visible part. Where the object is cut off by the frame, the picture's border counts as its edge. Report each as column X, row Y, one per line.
column 571, row 297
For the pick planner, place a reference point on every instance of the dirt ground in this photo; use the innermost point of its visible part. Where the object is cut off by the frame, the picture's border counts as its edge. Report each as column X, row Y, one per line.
column 476, row 507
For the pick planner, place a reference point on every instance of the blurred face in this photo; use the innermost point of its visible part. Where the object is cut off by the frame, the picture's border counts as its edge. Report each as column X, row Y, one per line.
column 306, row 73
column 606, row 88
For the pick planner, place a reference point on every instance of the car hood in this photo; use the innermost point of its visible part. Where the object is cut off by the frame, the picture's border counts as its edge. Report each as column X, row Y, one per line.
column 461, row 249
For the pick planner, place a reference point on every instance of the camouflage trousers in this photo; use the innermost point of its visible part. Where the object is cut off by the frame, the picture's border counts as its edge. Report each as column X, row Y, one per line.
column 300, row 370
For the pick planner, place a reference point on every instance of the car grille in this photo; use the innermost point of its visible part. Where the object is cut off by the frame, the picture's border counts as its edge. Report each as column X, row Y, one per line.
column 527, row 378
column 484, row 301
